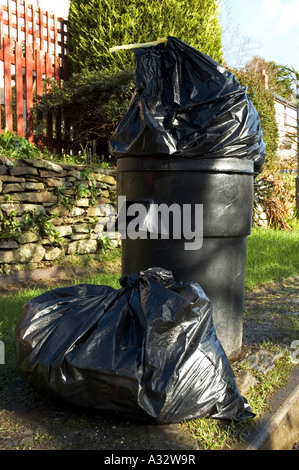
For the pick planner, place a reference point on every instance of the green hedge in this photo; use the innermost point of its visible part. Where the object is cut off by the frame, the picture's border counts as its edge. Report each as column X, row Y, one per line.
column 96, row 25
column 263, row 101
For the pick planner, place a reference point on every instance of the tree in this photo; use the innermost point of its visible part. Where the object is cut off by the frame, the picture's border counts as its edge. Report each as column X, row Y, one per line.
column 279, row 202
column 281, row 81
column 96, row 25
column 251, row 77
column 280, row 78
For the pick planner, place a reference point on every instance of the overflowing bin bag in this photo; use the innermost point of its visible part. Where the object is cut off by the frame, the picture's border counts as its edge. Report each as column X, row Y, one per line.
column 147, row 350
column 187, row 105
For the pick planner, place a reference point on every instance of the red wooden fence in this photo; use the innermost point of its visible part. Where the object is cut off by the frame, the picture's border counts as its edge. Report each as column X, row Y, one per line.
column 33, row 46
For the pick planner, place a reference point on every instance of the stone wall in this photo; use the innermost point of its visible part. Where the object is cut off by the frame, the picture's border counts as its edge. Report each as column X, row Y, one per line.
column 49, row 211
column 259, row 216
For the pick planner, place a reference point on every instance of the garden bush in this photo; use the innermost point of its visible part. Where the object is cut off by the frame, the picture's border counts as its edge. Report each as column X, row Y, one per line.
column 91, row 103
column 96, row 25
column 280, row 202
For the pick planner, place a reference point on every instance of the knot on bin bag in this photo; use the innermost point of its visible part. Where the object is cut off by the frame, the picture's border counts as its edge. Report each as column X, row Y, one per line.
column 130, row 281
column 161, row 275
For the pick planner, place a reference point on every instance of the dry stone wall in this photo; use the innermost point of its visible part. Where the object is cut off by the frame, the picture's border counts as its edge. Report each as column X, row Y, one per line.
column 50, row 210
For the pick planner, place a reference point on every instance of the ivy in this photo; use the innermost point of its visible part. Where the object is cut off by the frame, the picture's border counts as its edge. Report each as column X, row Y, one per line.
column 10, row 226
column 4, row 269
column 263, row 101
column 89, row 179
column 62, row 199
column 87, row 189
column 40, row 223
column 92, row 103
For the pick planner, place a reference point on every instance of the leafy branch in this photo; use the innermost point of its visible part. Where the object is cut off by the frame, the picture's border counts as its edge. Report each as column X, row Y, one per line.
column 10, row 226
column 40, row 223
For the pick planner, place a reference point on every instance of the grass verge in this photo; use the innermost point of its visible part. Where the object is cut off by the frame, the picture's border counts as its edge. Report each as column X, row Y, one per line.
column 272, row 255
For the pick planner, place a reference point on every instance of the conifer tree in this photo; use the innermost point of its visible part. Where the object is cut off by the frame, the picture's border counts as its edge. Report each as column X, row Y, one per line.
column 96, row 25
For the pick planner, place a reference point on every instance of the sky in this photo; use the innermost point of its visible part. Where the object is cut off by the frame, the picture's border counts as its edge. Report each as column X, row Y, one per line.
column 264, row 28
column 58, row 7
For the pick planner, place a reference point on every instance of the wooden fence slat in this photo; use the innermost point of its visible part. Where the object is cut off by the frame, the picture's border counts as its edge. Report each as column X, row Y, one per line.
column 9, row 7
column 39, row 73
column 34, row 30
column 58, row 125
column 48, row 33
column 1, row 55
column 7, row 45
column 41, row 29
column 57, row 69
column 18, row 15
column 29, row 92
column 40, row 62
column 49, row 117
column 19, row 90
column 64, row 59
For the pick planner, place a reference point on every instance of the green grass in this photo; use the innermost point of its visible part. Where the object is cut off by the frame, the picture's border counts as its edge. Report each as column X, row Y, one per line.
column 10, row 309
column 272, row 255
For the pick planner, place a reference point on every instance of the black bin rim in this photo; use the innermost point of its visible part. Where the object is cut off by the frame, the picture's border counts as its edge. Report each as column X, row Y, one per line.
column 162, row 163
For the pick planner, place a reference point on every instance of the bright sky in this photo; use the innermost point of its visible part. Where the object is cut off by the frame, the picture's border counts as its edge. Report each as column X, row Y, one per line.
column 265, row 28
column 58, row 7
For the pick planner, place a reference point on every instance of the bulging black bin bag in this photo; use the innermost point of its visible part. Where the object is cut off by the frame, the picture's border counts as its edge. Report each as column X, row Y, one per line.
column 187, row 105
column 147, row 351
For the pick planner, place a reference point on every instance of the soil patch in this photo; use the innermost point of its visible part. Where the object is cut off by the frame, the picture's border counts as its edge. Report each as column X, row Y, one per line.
column 41, row 278
column 272, row 313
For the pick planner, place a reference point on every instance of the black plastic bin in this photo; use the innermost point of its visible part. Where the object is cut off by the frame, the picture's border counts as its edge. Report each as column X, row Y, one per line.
column 225, row 189
column 191, row 135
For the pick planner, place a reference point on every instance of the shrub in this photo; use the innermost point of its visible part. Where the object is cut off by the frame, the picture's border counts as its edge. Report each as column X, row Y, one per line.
column 96, row 25
column 263, row 101
column 13, row 145
column 91, row 104
column 280, row 202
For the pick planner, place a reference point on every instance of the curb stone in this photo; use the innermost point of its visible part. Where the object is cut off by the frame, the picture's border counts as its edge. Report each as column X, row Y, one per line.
column 279, row 428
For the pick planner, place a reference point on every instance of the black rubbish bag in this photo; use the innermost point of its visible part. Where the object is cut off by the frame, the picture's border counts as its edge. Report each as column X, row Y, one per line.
column 146, row 351
column 187, row 105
